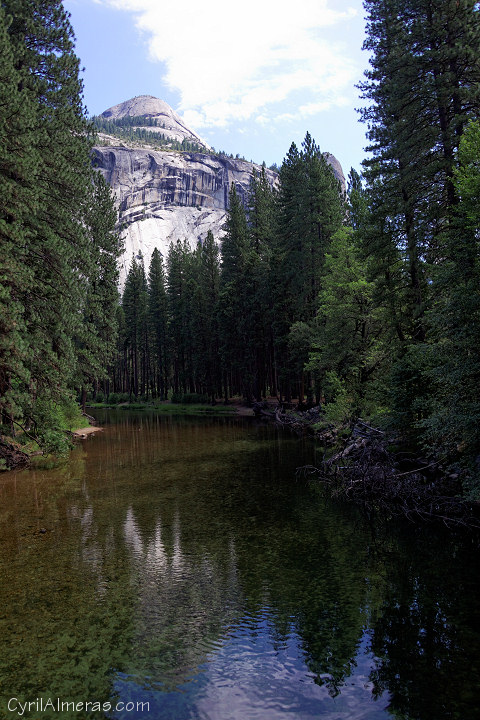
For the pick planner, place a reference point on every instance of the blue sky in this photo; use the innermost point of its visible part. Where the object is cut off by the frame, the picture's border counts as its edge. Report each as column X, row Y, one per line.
column 249, row 78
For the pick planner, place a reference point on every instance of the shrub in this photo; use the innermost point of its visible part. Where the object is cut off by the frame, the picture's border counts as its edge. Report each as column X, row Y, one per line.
column 339, row 408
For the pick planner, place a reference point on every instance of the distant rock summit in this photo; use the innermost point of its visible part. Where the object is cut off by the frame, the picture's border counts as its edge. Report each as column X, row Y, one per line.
column 165, row 195
column 151, row 108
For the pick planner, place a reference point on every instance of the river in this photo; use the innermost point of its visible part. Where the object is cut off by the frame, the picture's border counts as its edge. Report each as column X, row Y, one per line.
column 178, row 568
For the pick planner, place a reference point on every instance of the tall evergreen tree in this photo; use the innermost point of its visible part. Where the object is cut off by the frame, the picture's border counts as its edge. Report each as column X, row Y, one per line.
column 134, row 304
column 422, row 86
column 205, row 300
column 261, row 226
column 178, row 294
column 357, row 202
column 96, row 337
column 18, row 199
column 310, row 210
column 348, row 348
column 52, row 241
column 158, row 324
column 453, row 419
column 234, row 317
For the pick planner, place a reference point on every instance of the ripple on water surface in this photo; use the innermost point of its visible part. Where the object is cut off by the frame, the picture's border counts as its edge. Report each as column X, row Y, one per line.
column 181, row 564
column 249, row 674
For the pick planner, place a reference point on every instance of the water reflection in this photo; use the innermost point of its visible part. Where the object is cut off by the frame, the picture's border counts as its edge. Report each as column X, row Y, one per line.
column 178, row 562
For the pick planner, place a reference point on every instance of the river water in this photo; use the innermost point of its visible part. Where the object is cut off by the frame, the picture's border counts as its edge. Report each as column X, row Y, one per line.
column 182, row 564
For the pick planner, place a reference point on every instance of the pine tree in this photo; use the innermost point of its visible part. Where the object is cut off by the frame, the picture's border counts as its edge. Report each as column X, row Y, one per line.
column 134, row 304
column 158, row 324
column 207, row 346
column 310, row 210
column 422, row 86
column 357, row 201
column 18, row 199
column 48, row 198
column 453, row 421
column 178, row 295
column 234, row 317
column 349, row 328
column 96, row 337
column 261, row 226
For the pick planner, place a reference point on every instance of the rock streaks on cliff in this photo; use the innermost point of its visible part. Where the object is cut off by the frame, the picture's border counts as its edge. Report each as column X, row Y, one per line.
column 164, row 196
column 141, row 177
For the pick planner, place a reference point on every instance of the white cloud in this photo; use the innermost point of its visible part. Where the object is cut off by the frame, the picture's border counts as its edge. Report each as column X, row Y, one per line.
column 232, row 62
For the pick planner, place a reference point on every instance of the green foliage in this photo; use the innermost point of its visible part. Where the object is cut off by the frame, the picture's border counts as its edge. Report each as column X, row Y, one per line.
column 452, row 423
column 134, row 128
column 59, row 251
column 134, row 306
column 181, row 265
column 338, row 406
column 309, row 211
column 409, row 389
column 117, row 398
column 422, row 86
column 419, row 229
column 96, row 338
column 347, row 337
column 158, row 323
column 234, row 297
column 52, row 421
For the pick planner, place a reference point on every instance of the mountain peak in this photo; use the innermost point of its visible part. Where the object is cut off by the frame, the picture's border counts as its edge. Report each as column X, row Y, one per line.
column 140, row 105
column 165, row 118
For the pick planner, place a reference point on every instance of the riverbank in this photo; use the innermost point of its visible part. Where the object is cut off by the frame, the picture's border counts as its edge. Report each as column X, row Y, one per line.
column 166, row 406
column 378, row 469
column 18, row 449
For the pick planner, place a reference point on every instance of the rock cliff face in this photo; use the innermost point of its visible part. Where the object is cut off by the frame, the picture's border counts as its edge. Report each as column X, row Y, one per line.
column 164, row 196
column 169, row 196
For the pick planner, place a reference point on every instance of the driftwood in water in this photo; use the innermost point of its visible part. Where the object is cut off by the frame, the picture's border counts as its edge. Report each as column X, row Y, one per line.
column 281, row 414
column 12, row 456
column 366, row 471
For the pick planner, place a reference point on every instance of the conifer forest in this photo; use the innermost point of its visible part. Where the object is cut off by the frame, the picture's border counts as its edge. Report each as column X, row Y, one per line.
column 364, row 302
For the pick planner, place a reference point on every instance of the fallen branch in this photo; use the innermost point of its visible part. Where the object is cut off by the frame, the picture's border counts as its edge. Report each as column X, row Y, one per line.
column 369, row 427
column 417, row 470
column 12, row 456
column 365, row 471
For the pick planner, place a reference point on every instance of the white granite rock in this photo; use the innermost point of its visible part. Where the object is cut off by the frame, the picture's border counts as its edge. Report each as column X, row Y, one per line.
column 164, row 196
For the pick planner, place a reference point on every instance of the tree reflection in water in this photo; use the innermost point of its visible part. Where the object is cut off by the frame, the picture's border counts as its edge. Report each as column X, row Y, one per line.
column 189, row 568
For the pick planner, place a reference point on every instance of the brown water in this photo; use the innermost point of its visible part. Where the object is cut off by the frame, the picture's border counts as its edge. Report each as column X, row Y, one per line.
column 179, row 562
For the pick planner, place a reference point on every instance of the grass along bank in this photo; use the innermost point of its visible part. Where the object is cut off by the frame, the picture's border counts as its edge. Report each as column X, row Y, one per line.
column 48, row 434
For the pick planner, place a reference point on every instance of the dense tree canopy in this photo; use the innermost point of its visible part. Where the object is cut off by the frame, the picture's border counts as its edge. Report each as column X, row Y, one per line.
column 59, row 249
column 423, row 90
column 366, row 304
